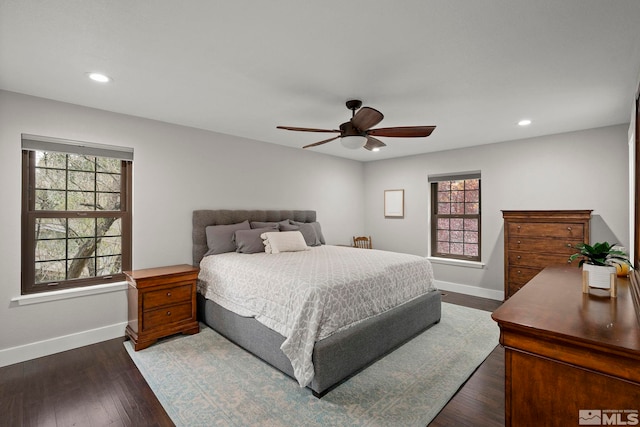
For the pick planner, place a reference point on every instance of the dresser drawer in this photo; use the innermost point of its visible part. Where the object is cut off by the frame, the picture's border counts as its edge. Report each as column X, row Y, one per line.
column 167, row 315
column 167, row 296
column 512, row 288
column 521, row 275
column 553, row 246
column 541, row 229
column 533, row 259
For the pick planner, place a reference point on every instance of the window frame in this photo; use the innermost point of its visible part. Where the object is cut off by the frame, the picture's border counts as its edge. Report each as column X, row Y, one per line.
column 433, row 184
column 32, row 144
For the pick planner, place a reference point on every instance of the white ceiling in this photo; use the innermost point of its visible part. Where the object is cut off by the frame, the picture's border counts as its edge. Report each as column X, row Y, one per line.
column 242, row 67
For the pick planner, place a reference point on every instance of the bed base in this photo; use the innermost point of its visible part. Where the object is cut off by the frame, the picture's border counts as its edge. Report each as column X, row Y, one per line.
column 339, row 356
column 335, row 358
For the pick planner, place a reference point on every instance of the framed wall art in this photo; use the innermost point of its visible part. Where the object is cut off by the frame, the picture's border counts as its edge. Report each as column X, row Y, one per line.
column 394, row 203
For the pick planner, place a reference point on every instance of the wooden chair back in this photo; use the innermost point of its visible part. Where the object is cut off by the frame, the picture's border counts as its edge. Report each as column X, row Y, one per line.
column 362, row 242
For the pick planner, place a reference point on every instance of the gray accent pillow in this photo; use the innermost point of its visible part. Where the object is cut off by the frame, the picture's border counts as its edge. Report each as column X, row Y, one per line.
column 263, row 224
column 249, row 241
column 307, row 230
column 316, row 227
column 220, row 237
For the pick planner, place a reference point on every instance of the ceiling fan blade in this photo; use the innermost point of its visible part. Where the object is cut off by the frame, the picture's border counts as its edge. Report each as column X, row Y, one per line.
column 321, row 142
column 403, row 132
column 366, row 117
column 308, row 129
column 373, row 143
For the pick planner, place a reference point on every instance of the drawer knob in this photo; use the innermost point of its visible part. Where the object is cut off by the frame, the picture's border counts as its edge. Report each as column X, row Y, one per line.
column 569, row 228
column 168, row 313
column 568, row 245
column 518, row 241
column 519, row 272
column 518, row 227
column 168, row 294
column 518, row 257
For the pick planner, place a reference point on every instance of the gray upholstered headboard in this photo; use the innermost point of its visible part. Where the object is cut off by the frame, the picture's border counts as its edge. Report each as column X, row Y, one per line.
column 203, row 218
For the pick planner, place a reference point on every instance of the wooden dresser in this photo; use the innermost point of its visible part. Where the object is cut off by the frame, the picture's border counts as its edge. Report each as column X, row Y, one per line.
column 568, row 354
column 162, row 302
column 534, row 240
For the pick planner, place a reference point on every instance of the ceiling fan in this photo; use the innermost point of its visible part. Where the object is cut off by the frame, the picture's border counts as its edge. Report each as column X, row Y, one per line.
column 357, row 132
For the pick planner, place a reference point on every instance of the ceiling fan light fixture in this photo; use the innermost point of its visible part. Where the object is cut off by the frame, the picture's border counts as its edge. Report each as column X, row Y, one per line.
column 353, row 142
column 358, row 133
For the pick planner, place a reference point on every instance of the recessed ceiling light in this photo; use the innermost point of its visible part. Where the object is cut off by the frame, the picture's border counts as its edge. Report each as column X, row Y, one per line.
column 525, row 122
column 99, row 77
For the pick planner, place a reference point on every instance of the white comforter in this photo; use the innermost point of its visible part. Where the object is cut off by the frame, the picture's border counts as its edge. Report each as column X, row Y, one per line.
column 309, row 295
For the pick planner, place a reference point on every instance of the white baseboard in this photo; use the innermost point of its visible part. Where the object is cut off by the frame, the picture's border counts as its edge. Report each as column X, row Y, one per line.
column 470, row 290
column 34, row 350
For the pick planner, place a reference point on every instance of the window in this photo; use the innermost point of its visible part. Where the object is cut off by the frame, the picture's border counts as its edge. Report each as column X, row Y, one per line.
column 455, row 216
column 76, row 213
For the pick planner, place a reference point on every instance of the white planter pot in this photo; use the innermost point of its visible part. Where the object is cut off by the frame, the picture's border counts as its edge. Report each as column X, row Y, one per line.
column 599, row 276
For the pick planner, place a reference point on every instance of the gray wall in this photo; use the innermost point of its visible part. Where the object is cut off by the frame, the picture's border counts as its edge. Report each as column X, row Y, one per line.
column 577, row 170
column 176, row 170
column 179, row 169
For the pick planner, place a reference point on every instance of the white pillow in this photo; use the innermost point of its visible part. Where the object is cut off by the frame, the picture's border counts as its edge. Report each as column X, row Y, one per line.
column 283, row 241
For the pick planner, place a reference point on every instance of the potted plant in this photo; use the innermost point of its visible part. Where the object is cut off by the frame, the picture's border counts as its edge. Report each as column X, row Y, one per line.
column 599, row 264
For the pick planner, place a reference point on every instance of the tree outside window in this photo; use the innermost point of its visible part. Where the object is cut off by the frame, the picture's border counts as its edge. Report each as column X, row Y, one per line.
column 76, row 219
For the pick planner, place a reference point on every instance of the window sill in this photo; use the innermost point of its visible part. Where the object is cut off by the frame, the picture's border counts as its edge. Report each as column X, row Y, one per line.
column 456, row 262
column 69, row 293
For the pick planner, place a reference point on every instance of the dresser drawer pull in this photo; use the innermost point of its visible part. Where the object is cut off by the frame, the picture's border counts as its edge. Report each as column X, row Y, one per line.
column 168, row 294
column 518, row 227
column 168, row 313
column 568, row 228
column 518, row 257
column 568, row 245
column 519, row 272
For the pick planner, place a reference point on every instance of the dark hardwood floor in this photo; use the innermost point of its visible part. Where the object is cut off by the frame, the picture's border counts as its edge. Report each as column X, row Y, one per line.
column 99, row 385
column 480, row 401
column 96, row 385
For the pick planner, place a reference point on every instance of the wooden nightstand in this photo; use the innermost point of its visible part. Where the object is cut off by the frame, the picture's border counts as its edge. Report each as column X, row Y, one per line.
column 162, row 302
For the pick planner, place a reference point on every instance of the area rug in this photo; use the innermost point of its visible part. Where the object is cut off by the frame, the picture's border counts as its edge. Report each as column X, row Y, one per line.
column 205, row 380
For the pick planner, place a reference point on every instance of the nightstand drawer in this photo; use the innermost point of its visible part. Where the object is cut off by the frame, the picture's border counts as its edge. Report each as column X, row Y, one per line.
column 167, row 315
column 168, row 296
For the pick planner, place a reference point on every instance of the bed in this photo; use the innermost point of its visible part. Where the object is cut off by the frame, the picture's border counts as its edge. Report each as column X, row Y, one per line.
column 334, row 354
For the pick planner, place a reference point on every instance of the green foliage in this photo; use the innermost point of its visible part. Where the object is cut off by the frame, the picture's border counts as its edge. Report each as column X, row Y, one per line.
column 601, row 253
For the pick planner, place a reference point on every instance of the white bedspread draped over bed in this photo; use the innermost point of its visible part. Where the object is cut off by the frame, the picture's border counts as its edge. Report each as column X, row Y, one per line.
column 307, row 296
